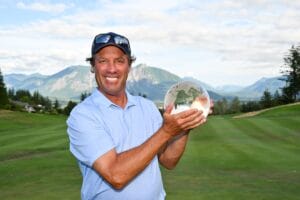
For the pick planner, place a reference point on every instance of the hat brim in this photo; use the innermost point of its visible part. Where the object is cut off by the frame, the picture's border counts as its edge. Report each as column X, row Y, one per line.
column 99, row 47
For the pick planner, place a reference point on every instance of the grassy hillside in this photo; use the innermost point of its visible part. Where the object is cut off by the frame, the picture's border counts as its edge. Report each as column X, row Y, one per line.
column 34, row 158
column 290, row 110
column 244, row 158
column 247, row 158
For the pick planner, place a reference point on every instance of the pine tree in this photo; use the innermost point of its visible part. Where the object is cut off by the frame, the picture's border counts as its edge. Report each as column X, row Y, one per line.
column 11, row 93
column 3, row 93
column 84, row 95
column 56, row 104
column 266, row 99
column 221, row 107
column 235, row 106
column 69, row 107
column 47, row 104
column 277, row 99
column 291, row 70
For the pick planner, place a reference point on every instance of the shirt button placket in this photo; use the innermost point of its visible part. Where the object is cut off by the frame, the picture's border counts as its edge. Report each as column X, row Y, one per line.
column 126, row 122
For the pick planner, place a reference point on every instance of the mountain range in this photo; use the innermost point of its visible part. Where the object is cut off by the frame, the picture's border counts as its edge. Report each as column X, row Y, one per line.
column 152, row 82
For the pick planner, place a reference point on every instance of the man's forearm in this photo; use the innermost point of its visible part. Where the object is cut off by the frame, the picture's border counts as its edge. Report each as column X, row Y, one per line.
column 173, row 151
column 119, row 169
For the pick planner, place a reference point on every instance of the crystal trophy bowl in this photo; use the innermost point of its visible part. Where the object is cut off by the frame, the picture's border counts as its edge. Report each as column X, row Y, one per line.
column 187, row 95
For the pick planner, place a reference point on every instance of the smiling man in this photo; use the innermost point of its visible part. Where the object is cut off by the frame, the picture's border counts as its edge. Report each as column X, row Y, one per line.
column 119, row 139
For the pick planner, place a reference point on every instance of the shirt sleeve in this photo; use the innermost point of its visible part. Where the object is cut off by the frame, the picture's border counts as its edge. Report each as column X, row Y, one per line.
column 88, row 138
column 156, row 117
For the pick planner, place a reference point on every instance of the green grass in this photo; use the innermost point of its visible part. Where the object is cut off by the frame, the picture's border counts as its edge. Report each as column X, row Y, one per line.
column 34, row 159
column 244, row 158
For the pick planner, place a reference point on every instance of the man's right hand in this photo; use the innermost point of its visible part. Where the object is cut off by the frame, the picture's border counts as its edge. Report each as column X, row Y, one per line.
column 175, row 124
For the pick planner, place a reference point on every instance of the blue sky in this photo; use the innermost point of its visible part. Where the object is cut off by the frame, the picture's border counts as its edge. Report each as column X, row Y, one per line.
column 218, row 42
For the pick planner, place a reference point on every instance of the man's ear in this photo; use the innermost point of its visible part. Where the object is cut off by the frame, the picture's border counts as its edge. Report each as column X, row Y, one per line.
column 92, row 69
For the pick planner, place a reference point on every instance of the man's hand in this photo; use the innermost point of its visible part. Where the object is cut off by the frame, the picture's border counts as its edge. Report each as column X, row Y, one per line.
column 174, row 124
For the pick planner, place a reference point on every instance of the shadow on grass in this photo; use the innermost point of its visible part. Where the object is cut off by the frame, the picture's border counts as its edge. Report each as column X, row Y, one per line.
column 24, row 154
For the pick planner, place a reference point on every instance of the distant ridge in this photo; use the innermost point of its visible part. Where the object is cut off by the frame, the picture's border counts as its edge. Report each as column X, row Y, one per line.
column 256, row 90
column 149, row 81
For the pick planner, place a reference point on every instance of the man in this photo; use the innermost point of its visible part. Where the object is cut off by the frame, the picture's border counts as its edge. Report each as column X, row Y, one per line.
column 119, row 139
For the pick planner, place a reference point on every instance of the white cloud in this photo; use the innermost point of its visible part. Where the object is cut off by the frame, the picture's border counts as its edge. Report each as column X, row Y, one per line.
column 43, row 7
column 33, row 62
column 238, row 35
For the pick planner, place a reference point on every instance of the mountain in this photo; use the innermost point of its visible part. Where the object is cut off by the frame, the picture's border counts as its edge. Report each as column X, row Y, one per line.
column 227, row 89
column 69, row 83
column 206, row 86
column 66, row 84
column 18, row 80
column 74, row 80
column 256, row 90
column 152, row 74
column 213, row 94
column 155, row 82
column 150, row 81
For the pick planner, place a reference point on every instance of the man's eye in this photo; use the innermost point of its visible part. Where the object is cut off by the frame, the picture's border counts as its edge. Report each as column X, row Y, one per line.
column 120, row 60
column 101, row 61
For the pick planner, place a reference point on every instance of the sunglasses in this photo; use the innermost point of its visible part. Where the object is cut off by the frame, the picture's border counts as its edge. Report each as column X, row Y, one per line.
column 105, row 38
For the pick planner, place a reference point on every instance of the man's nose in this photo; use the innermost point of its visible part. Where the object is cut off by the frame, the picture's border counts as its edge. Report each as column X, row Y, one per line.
column 111, row 67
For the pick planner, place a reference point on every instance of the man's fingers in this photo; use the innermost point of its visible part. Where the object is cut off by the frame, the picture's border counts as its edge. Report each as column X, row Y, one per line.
column 198, row 120
column 187, row 113
column 183, row 121
column 190, row 119
column 169, row 108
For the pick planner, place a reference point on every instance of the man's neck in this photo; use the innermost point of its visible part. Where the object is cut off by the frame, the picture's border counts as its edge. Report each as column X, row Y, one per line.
column 119, row 99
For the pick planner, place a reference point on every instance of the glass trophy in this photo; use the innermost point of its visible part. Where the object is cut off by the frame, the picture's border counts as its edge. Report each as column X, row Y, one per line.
column 187, row 95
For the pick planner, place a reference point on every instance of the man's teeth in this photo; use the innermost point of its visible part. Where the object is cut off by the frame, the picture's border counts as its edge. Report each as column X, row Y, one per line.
column 111, row 78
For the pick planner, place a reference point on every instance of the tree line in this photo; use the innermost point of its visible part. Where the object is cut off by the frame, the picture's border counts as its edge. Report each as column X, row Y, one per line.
column 267, row 100
column 290, row 93
column 15, row 100
column 23, row 100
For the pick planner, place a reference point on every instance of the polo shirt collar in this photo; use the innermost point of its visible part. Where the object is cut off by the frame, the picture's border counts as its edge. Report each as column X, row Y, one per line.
column 100, row 100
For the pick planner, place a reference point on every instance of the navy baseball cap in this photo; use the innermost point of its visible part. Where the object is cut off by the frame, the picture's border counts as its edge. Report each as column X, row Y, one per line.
column 111, row 39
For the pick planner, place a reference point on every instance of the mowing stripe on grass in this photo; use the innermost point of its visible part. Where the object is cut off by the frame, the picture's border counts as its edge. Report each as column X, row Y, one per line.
column 246, row 158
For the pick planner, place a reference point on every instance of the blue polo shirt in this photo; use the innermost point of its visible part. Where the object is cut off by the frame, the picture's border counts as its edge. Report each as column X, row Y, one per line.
column 96, row 126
